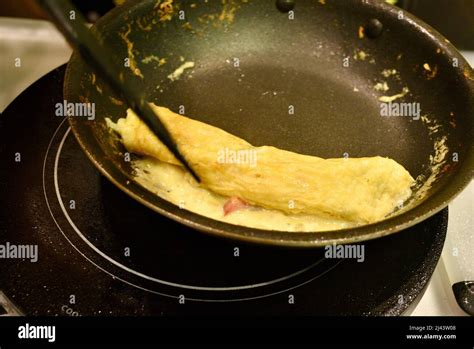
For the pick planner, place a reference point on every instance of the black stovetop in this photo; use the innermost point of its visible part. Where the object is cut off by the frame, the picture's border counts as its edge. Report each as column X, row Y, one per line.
column 102, row 253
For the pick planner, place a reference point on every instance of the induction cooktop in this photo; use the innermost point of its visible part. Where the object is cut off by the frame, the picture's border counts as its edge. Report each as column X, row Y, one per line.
column 101, row 253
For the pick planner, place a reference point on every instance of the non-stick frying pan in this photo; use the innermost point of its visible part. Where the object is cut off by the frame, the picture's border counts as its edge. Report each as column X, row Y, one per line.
column 301, row 80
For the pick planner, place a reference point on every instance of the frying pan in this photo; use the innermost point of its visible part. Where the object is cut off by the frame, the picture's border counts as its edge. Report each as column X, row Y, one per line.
column 254, row 59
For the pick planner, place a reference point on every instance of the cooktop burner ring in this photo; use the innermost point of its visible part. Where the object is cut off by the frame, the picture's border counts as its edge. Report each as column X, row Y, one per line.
column 105, row 256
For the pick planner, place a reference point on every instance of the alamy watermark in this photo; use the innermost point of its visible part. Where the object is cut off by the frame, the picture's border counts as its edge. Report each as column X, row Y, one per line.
column 412, row 110
column 28, row 331
column 12, row 251
column 75, row 109
column 237, row 157
column 335, row 251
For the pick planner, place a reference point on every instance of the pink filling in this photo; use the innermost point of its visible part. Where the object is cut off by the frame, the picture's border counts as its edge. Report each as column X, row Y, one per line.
column 234, row 204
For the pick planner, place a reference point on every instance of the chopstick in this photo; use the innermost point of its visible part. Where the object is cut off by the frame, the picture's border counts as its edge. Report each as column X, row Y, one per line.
column 103, row 61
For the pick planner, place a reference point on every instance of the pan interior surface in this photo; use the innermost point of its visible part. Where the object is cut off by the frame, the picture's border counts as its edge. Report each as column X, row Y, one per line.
column 308, row 81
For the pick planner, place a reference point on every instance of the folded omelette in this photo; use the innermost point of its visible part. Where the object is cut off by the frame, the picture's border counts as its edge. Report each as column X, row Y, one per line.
column 359, row 190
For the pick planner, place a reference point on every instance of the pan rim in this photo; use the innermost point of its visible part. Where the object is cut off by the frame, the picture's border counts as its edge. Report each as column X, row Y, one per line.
column 432, row 205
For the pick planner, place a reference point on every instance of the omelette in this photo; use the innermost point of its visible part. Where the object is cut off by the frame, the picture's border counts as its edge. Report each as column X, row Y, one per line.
column 240, row 179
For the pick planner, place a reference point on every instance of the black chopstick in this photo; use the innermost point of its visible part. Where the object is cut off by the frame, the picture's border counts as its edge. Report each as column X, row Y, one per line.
column 105, row 64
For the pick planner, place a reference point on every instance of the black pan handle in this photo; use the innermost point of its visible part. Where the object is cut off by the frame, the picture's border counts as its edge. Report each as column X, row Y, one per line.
column 464, row 294
column 72, row 24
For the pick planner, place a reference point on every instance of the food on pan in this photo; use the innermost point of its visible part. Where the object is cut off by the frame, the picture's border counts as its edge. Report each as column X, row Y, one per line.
column 243, row 184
